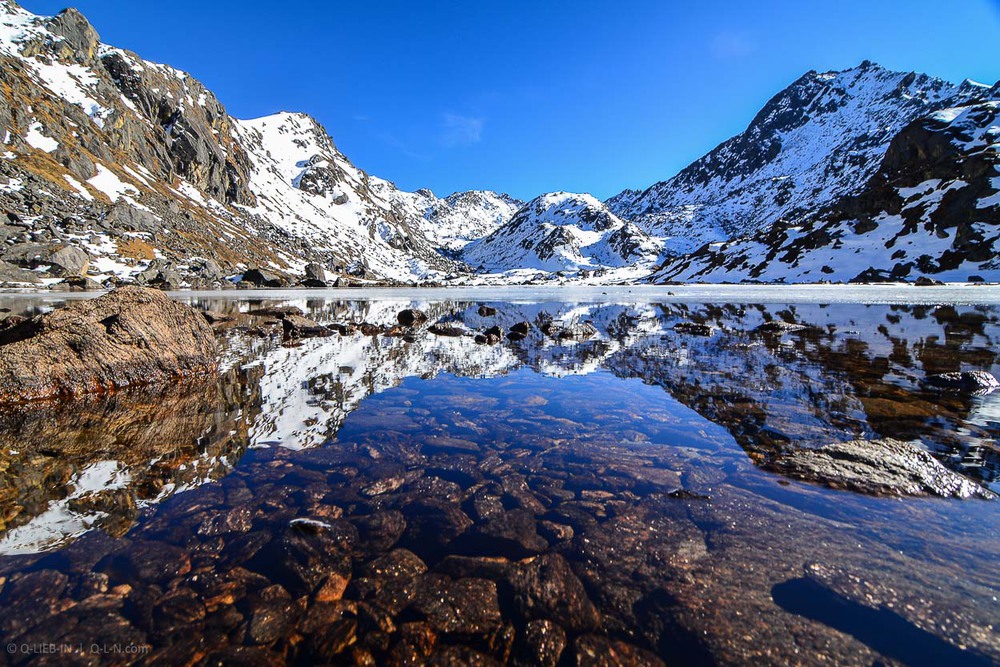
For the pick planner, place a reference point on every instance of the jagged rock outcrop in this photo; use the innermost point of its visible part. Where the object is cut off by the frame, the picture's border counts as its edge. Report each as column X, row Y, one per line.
column 131, row 336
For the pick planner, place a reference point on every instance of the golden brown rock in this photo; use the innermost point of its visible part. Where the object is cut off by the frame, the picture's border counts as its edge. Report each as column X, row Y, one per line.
column 130, row 336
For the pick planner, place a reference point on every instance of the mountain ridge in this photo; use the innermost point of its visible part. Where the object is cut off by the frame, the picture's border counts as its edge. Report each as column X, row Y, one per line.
column 118, row 170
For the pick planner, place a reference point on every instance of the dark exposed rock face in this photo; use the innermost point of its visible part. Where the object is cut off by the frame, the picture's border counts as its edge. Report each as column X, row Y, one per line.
column 881, row 467
column 131, row 336
column 263, row 278
column 315, row 276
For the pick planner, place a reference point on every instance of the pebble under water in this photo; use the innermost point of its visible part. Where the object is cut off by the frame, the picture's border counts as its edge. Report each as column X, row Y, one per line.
column 621, row 496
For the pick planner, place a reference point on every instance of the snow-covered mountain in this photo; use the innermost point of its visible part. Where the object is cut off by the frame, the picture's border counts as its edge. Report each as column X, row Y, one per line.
column 463, row 217
column 820, row 139
column 114, row 168
column 932, row 208
column 138, row 168
column 563, row 231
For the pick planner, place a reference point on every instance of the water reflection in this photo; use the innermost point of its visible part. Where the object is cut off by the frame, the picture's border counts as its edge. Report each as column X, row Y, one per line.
column 96, row 461
column 411, row 497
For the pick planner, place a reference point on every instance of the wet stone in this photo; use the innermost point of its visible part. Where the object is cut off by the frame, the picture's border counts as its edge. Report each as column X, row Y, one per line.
column 465, row 606
column 379, row 531
column 542, row 587
column 431, row 525
column 243, row 656
column 305, row 554
column 511, row 534
column 459, row 656
column 323, row 614
column 598, row 651
column 435, row 487
column 146, row 563
column 236, row 520
column 43, row 587
column 555, row 532
column 240, row 549
column 271, row 621
column 332, row 640
column 969, row 382
column 332, row 588
column 415, row 642
column 399, row 564
column 383, row 486
column 541, row 643
column 485, row 505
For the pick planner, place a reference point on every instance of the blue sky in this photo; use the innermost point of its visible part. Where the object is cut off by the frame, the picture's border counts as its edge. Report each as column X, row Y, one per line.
column 530, row 97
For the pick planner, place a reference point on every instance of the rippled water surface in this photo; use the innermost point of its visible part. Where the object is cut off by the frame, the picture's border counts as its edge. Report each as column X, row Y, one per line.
column 407, row 498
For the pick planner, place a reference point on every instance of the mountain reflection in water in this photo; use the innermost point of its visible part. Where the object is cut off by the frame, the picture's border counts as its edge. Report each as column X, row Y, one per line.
column 624, row 469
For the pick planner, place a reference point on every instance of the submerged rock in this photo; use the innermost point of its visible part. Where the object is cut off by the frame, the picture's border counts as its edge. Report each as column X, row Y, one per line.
column 879, row 467
column 131, row 336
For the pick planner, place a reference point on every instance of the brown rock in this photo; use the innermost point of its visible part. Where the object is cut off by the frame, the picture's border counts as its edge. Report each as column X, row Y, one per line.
column 271, row 621
column 131, row 336
column 541, row 643
column 542, row 587
column 597, row 651
column 465, row 606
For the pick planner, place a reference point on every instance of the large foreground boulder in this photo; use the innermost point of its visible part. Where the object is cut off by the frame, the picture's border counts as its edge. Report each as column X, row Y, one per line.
column 131, row 336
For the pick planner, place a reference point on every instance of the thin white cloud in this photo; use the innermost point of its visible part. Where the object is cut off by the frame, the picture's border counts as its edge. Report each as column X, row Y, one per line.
column 732, row 45
column 461, row 130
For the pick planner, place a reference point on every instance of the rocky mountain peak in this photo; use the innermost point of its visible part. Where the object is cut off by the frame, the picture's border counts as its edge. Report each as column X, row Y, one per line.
column 817, row 140
column 80, row 39
column 563, row 232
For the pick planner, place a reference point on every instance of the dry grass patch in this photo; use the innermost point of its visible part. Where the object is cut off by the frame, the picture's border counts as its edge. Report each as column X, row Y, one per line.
column 137, row 249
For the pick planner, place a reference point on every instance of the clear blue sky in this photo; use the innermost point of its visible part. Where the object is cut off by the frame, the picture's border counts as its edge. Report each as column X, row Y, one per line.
column 529, row 97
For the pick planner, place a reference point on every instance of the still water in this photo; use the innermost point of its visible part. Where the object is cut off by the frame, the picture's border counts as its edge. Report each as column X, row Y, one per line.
column 417, row 498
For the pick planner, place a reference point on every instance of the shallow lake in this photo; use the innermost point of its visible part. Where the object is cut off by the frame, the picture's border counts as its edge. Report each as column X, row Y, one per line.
column 609, row 485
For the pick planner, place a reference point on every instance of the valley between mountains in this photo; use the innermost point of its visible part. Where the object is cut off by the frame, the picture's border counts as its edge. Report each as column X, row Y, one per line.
column 114, row 170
